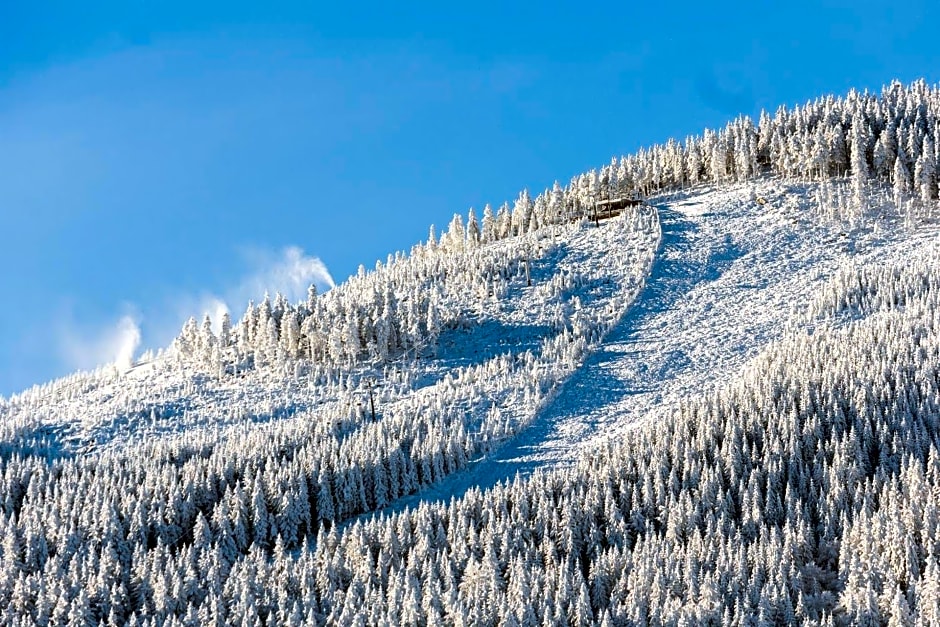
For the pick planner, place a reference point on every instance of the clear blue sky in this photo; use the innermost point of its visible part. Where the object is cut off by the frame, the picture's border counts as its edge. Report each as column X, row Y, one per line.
column 156, row 156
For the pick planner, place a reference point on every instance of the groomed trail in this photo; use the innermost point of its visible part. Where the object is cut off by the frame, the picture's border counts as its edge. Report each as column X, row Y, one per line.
column 736, row 268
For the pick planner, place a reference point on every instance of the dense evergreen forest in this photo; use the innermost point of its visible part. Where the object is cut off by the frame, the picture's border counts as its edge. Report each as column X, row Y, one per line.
column 805, row 490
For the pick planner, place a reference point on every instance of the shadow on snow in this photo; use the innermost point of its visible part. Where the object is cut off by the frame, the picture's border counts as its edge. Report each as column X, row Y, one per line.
column 679, row 267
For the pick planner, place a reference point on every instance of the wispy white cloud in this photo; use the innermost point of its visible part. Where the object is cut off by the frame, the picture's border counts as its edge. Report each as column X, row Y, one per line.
column 289, row 272
column 116, row 343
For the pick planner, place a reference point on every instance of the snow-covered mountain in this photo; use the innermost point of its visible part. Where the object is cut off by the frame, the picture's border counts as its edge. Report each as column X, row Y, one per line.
column 719, row 405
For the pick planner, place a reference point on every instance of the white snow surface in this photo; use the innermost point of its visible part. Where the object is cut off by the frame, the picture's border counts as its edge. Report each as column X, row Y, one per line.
column 600, row 269
column 735, row 269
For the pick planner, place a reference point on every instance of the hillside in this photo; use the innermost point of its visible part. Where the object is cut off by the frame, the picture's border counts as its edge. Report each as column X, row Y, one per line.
column 719, row 407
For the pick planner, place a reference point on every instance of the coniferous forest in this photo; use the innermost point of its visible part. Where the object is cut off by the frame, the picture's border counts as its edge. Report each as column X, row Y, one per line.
column 303, row 464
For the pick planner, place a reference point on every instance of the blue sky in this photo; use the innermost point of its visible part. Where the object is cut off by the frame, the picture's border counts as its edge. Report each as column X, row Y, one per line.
column 159, row 159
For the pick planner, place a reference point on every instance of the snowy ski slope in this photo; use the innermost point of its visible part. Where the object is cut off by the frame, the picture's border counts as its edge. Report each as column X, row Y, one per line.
column 737, row 267
column 580, row 274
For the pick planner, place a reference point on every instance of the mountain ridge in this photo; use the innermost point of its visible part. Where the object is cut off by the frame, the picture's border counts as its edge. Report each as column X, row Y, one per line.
column 543, row 408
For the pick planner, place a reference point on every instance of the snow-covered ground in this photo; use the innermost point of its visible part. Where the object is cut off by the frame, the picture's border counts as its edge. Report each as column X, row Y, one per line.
column 737, row 267
column 575, row 272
